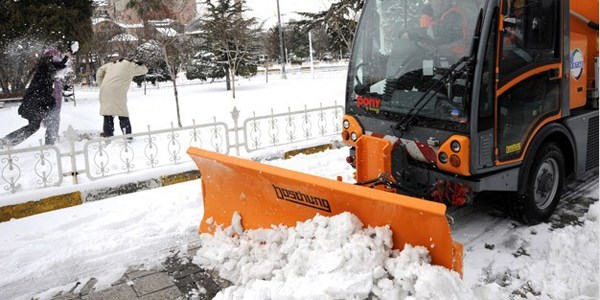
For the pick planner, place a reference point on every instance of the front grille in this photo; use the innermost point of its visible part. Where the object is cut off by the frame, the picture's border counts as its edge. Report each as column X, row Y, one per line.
column 486, row 150
column 591, row 161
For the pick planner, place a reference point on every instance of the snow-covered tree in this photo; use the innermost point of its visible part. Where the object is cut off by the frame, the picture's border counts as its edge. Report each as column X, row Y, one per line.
column 28, row 26
column 295, row 41
column 340, row 21
column 150, row 53
column 205, row 66
column 166, row 43
column 231, row 37
column 18, row 60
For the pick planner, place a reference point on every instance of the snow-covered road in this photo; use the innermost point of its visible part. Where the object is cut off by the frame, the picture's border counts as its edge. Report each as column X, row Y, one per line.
column 503, row 259
column 528, row 260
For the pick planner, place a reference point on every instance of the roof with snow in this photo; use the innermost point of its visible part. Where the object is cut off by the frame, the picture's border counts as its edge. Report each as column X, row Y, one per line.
column 167, row 31
column 193, row 32
column 124, row 37
column 122, row 25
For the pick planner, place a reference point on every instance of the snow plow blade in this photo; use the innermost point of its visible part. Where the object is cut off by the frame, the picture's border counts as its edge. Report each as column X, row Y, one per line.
column 265, row 195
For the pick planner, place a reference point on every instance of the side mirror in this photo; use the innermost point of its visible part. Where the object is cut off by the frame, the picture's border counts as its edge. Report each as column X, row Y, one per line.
column 538, row 25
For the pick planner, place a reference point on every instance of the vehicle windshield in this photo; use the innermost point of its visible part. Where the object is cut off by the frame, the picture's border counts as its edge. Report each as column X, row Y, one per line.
column 402, row 47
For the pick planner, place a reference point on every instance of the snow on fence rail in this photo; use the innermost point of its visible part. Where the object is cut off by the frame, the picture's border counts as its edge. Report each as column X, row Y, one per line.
column 95, row 157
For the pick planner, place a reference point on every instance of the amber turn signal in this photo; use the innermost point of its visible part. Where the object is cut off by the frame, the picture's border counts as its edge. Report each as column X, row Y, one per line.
column 454, row 160
column 345, row 135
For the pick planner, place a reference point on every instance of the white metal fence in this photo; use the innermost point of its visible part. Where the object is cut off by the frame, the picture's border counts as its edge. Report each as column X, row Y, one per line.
column 95, row 157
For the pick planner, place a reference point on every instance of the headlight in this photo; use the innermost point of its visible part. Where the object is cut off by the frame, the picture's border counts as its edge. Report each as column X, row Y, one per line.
column 455, row 146
column 353, row 136
column 443, row 157
column 346, row 124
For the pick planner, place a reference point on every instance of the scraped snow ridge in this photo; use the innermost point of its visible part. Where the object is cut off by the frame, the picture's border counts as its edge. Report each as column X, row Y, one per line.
column 324, row 258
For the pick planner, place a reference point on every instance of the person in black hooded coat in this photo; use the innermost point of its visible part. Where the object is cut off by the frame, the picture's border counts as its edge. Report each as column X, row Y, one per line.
column 40, row 100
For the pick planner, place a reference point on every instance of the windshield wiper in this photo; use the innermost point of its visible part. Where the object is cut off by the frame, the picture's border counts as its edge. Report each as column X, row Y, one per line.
column 405, row 122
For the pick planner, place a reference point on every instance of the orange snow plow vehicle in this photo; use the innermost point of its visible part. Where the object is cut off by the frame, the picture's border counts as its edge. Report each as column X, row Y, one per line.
column 445, row 100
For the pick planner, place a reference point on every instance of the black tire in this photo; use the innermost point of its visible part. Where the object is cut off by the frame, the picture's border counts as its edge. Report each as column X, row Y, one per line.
column 544, row 188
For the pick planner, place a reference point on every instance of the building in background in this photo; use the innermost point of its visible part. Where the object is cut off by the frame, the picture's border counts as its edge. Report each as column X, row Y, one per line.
column 185, row 11
column 121, row 29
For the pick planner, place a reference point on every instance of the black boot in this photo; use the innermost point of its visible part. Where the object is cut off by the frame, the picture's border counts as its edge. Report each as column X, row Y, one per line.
column 108, row 127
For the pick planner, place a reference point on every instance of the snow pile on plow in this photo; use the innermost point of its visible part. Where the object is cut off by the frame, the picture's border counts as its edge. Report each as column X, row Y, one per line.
column 266, row 196
column 325, row 258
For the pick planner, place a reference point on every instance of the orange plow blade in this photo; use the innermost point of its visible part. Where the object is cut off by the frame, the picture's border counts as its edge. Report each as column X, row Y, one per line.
column 265, row 195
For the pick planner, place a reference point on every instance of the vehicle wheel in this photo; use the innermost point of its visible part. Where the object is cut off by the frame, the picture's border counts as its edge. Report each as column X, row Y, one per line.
column 544, row 187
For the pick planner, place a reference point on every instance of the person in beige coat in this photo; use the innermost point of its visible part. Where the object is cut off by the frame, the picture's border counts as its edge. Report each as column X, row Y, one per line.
column 114, row 80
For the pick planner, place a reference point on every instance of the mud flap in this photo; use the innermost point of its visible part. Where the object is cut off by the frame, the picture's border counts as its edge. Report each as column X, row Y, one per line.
column 266, row 195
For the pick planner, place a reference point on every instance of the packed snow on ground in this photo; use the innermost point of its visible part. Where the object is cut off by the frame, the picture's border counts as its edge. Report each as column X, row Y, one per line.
column 321, row 258
column 325, row 258
column 99, row 239
column 339, row 258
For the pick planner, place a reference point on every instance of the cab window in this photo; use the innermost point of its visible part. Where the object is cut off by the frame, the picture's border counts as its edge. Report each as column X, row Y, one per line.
column 529, row 38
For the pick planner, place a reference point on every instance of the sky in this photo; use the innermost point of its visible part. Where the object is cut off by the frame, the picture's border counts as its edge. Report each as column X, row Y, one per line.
column 327, row 258
column 266, row 10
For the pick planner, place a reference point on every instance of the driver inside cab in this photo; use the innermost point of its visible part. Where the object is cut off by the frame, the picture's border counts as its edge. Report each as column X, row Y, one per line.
column 444, row 25
column 513, row 54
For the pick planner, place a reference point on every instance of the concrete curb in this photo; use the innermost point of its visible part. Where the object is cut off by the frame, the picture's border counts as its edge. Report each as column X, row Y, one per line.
column 41, row 206
column 307, row 151
column 35, row 207
column 142, row 185
column 126, row 188
column 179, row 178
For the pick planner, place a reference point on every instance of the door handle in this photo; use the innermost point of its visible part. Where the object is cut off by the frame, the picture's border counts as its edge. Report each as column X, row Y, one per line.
column 554, row 74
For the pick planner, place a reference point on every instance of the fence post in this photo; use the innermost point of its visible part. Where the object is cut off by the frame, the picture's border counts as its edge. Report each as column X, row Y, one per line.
column 174, row 143
column 290, row 127
column 151, row 151
column 336, row 118
column 71, row 135
column 235, row 115
column 306, row 123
